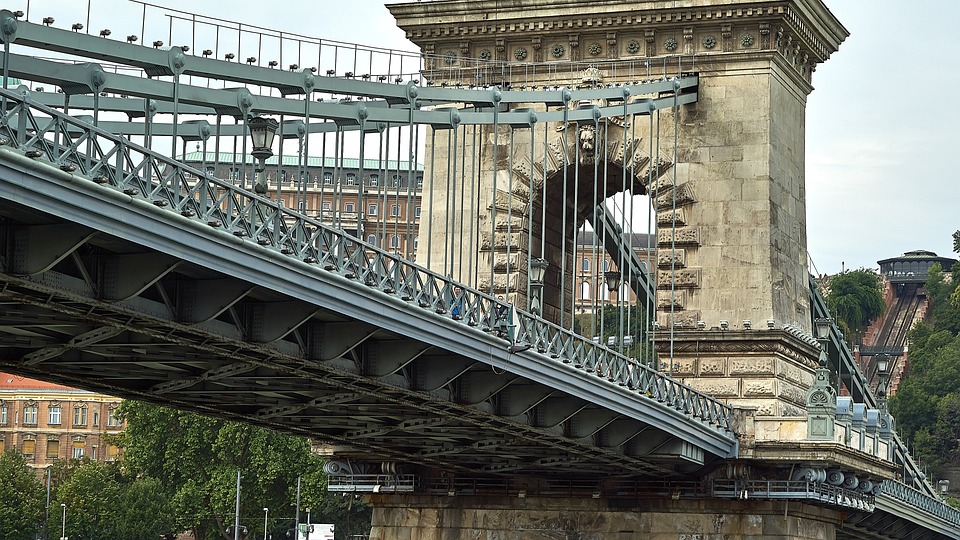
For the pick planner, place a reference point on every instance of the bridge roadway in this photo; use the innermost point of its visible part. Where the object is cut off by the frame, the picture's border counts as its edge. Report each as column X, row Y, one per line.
column 133, row 289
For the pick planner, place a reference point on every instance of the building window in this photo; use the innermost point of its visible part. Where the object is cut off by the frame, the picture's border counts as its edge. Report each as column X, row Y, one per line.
column 78, row 446
column 585, row 265
column 283, row 176
column 585, row 291
column 96, row 418
column 374, row 180
column 53, row 448
column 351, row 179
column 394, row 181
column 3, row 445
column 416, row 242
column 234, row 173
column 372, row 210
column 395, row 210
column 419, row 182
column 394, row 241
column 30, row 415
column 29, row 447
column 325, row 206
column 211, row 170
column 349, row 208
column 3, row 414
column 372, row 240
column 416, row 212
column 54, row 416
column 80, row 415
column 112, row 420
column 93, row 453
column 328, row 178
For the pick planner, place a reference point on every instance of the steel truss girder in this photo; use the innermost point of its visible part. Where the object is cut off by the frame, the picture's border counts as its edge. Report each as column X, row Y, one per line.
column 225, row 372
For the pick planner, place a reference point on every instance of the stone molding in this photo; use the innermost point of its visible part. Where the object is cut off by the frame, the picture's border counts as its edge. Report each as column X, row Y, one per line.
column 809, row 23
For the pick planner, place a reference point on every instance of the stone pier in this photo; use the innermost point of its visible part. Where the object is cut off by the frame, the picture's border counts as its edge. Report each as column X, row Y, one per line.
column 449, row 518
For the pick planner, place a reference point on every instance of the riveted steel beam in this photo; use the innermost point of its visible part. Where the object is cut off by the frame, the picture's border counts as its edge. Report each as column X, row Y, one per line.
column 128, row 275
column 37, row 248
column 85, row 339
column 271, row 321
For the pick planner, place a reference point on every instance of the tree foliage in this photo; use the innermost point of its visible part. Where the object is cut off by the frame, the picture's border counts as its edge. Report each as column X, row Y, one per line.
column 855, row 299
column 195, row 460
column 22, row 498
column 610, row 321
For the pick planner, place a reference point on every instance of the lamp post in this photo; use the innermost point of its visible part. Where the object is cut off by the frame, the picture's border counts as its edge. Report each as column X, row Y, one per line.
column 538, row 268
column 309, row 526
column 262, row 131
column 63, row 522
column 266, row 511
column 883, row 374
column 612, row 279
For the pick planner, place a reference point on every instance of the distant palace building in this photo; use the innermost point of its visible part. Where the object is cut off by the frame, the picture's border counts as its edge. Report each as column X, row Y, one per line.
column 47, row 422
column 378, row 198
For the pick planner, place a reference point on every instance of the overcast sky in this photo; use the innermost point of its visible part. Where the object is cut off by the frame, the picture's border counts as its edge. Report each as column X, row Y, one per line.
column 881, row 124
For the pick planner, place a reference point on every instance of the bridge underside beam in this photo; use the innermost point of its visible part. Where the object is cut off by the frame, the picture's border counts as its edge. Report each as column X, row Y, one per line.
column 99, row 312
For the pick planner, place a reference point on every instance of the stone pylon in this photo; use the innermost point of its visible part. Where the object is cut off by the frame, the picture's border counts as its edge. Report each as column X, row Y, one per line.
column 731, row 209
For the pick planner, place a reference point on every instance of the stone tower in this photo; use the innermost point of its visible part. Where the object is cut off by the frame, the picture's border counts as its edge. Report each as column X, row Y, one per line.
column 731, row 210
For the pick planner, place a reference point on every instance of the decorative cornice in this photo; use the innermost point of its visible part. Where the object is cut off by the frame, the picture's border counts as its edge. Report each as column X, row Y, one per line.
column 815, row 28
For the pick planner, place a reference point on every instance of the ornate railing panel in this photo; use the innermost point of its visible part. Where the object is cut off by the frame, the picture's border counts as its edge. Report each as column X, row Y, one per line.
column 78, row 147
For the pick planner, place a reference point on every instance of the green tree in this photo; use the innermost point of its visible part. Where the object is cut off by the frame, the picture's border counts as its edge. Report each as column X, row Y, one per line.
column 195, row 459
column 22, row 498
column 855, row 299
column 608, row 323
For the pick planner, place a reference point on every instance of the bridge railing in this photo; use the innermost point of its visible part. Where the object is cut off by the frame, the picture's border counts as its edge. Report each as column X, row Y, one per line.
column 78, row 147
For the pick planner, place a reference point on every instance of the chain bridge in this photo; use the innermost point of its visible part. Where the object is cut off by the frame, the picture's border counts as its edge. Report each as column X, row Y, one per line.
column 408, row 283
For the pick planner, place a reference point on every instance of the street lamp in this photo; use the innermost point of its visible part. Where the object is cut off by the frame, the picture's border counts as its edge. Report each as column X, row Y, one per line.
column 822, row 326
column 883, row 373
column 262, row 131
column 309, row 526
column 63, row 522
column 266, row 511
column 538, row 268
column 613, row 280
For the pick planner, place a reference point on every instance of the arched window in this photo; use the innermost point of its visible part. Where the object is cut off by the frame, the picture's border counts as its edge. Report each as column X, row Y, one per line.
column 328, row 178
column 351, row 179
column 374, row 180
column 372, row 239
column 585, row 265
column 585, row 290
column 395, row 210
column 419, row 182
column 394, row 241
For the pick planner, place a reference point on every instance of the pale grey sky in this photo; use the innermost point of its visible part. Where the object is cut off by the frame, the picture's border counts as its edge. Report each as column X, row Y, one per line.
column 881, row 124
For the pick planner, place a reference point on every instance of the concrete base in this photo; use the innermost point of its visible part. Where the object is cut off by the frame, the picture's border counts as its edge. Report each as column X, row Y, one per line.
column 409, row 517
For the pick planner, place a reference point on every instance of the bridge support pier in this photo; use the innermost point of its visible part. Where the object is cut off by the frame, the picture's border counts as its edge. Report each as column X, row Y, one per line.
column 417, row 517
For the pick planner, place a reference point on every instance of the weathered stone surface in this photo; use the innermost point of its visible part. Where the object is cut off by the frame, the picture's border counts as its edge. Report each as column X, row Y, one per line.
column 752, row 366
column 686, row 278
column 666, row 259
column 681, row 237
column 586, row 519
column 712, row 367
